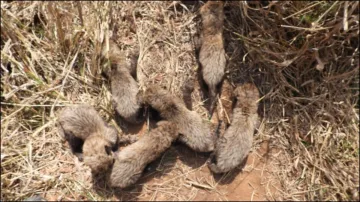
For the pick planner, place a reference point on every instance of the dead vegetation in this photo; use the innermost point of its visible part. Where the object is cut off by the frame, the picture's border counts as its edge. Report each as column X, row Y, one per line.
column 302, row 55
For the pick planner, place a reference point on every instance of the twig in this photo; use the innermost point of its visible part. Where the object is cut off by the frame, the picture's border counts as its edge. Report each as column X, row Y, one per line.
column 79, row 7
column 302, row 10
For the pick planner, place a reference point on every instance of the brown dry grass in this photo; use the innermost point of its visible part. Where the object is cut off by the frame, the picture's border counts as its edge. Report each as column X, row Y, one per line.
column 303, row 56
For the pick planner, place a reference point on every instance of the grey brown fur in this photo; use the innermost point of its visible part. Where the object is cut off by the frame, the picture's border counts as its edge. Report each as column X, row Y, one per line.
column 84, row 123
column 124, row 87
column 194, row 131
column 124, row 91
column 212, row 53
column 131, row 161
column 232, row 148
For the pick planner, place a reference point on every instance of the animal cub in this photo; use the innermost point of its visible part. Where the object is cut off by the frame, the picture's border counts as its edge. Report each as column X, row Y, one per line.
column 212, row 53
column 233, row 147
column 194, row 131
column 131, row 161
column 124, row 88
column 82, row 127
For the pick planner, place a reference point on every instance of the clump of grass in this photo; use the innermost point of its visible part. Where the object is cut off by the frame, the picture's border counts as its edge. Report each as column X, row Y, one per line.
column 304, row 57
column 55, row 62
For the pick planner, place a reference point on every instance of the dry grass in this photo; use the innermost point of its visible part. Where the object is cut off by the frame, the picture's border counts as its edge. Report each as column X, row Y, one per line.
column 303, row 56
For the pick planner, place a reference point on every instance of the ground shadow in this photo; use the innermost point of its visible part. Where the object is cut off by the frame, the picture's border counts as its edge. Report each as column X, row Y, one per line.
column 190, row 157
column 130, row 128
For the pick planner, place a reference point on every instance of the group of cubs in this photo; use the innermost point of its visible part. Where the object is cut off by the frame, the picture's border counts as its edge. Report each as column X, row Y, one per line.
column 86, row 131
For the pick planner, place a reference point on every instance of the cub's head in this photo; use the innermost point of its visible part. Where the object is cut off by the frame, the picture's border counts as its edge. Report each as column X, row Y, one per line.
column 97, row 153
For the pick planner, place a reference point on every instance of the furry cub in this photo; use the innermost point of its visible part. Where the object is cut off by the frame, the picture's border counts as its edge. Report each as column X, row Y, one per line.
column 124, row 91
column 212, row 53
column 82, row 125
column 124, row 87
column 232, row 148
column 131, row 161
column 194, row 131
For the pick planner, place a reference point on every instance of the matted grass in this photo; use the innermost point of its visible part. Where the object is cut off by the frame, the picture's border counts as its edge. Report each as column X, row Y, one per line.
column 302, row 55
